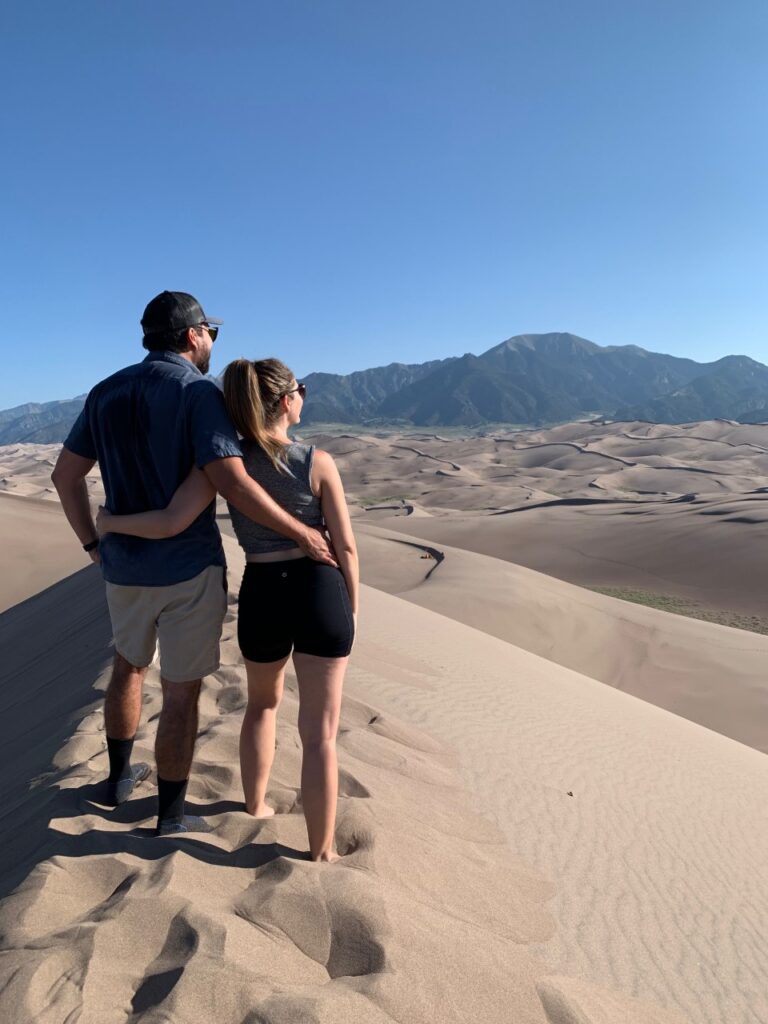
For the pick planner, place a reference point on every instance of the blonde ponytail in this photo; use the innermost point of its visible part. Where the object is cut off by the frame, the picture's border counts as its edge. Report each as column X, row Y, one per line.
column 252, row 393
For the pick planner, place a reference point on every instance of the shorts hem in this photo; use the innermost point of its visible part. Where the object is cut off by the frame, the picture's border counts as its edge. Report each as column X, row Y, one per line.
column 188, row 678
column 136, row 663
column 314, row 654
column 265, row 661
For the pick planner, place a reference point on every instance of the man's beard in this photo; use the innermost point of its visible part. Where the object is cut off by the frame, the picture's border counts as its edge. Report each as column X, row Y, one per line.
column 204, row 363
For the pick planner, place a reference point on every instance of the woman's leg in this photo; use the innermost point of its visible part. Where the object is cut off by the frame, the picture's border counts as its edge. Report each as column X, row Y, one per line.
column 320, row 685
column 257, row 736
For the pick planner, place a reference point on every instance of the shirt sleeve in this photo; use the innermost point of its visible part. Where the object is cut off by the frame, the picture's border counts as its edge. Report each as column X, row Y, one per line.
column 80, row 438
column 213, row 434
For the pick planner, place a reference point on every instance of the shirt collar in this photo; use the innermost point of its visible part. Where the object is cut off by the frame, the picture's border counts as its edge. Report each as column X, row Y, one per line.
column 171, row 357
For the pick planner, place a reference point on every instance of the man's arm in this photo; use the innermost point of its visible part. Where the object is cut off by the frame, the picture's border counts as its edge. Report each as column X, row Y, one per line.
column 230, row 479
column 69, row 480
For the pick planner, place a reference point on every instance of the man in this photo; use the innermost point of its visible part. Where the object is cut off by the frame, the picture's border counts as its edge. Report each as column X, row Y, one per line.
column 147, row 425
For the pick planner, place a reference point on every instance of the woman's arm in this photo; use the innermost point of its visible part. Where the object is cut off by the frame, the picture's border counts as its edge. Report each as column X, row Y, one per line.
column 327, row 483
column 195, row 494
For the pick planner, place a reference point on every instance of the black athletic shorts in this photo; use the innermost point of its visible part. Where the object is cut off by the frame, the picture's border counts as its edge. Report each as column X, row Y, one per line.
column 300, row 604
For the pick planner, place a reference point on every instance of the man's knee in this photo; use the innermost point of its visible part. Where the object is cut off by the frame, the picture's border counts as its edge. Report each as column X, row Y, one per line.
column 179, row 696
column 125, row 673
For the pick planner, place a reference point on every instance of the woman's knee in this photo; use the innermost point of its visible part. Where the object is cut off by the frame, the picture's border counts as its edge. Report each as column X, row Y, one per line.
column 316, row 738
column 264, row 701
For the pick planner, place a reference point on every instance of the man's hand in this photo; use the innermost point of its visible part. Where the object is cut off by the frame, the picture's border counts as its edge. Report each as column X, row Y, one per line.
column 94, row 556
column 230, row 479
column 102, row 520
column 316, row 545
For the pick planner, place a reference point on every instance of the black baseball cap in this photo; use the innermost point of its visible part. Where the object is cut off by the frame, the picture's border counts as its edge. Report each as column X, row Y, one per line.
column 173, row 311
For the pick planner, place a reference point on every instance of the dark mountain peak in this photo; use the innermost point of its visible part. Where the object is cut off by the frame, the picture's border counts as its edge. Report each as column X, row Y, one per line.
column 527, row 379
column 551, row 343
column 734, row 369
column 635, row 350
column 735, row 362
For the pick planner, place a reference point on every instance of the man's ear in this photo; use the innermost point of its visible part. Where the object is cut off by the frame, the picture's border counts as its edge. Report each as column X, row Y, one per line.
column 193, row 339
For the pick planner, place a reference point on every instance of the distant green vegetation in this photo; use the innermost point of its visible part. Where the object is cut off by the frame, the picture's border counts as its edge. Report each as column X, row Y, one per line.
column 681, row 606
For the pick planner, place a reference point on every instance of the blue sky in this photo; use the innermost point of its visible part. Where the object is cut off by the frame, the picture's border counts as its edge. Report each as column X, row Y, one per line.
column 352, row 183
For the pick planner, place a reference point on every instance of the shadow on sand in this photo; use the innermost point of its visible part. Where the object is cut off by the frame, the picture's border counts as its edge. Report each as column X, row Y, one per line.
column 57, row 651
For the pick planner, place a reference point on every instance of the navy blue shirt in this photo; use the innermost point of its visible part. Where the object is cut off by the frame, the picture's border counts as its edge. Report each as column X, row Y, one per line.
column 147, row 426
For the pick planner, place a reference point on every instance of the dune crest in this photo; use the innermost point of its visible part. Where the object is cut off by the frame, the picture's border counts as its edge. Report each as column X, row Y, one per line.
column 426, row 917
column 520, row 841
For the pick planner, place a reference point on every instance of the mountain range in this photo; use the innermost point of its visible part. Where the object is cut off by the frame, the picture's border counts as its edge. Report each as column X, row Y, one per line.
column 528, row 380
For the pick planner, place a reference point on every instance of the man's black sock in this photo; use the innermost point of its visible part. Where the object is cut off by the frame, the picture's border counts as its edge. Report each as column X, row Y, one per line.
column 119, row 758
column 171, row 799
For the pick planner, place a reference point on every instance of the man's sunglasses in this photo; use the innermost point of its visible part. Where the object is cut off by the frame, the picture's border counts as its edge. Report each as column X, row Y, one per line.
column 301, row 388
column 213, row 331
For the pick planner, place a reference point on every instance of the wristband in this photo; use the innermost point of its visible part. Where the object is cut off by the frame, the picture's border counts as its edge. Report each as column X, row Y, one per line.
column 93, row 544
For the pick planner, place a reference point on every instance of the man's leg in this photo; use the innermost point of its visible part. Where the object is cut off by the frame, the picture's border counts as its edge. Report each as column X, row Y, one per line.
column 189, row 630
column 122, row 711
column 174, row 746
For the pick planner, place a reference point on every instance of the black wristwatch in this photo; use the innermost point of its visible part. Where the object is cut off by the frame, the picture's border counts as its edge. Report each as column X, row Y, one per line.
column 92, row 545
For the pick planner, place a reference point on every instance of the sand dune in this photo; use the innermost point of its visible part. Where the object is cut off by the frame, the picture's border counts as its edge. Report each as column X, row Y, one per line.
column 708, row 673
column 493, row 471
column 713, row 553
column 652, row 828
column 673, row 511
column 425, row 918
column 113, row 923
column 25, row 470
column 38, row 548
column 522, row 842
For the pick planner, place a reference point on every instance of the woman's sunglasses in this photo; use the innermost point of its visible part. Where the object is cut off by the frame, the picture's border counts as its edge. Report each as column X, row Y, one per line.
column 301, row 388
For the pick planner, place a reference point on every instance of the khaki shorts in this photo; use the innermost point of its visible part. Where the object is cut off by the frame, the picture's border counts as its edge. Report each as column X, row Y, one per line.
column 185, row 618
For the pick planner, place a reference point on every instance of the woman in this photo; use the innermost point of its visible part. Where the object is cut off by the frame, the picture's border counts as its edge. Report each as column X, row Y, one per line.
column 288, row 603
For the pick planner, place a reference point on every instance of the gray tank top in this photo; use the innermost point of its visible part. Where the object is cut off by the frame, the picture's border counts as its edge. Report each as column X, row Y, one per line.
column 292, row 491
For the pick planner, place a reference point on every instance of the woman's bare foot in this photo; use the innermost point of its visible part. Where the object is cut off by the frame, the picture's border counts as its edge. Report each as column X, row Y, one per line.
column 327, row 858
column 262, row 811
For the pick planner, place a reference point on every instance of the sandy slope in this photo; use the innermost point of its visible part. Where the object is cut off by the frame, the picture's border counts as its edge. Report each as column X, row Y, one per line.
column 25, row 470
column 710, row 674
column 424, row 919
column 658, row 856
column 676, row 510
column 715, row 554
column 114, row 924
column 37, row 546
column 651, row 829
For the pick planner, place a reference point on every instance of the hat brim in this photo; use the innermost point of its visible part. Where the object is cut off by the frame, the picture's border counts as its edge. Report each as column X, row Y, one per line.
column 213, row 320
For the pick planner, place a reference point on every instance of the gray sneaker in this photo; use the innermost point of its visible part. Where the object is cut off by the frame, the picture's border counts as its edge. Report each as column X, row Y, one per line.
column 118, row 792
column 189, row 823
